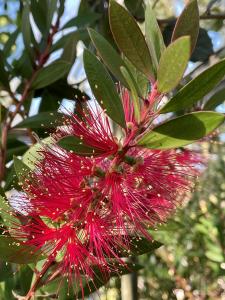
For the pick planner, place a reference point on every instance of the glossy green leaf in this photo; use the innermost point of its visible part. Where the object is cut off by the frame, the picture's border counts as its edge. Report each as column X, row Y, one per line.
column 172, row 64
column 215, row 100
column 103, row 88
column 108, row 54
column 26, row 30
column 52, row 8
column 130, row 39
column 196, row 89
column 153, row 35
column 70, row 50
column 22, row 170
column 39, row 9
column 18, row 149
column 33, row 154
column 12, row 250
column 41, row 120
column 182, row 131
column 72, row 143
column 188, row 23
column 50, row 74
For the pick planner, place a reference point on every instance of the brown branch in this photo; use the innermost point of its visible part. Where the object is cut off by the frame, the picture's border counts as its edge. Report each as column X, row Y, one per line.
column 202, row 17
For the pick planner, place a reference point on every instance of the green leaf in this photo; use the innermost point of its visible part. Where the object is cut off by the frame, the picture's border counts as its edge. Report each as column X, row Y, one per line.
column 22, row 170
column 75, row 144
column 75, row 36
column 196, row 89
column 134, row 92
column 18, row 149
column 130, row 39
column 103, row 88
column 52, row 8
column 4, row 76
column 109, row 55
column 12, row 250
column 138, row 246
column 41, row 120
column 26, row 30
column 215, row 100
column 50, row 74
column 188, row 23
column 172, row 64
column 182, row 131
column 70, row 50
column 10, row 43
column 83, row 20
column 39, row 9
column 153, row 35
column 33, row 154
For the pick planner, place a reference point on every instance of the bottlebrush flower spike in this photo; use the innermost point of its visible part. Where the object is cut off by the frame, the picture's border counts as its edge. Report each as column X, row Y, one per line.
column 85, row 208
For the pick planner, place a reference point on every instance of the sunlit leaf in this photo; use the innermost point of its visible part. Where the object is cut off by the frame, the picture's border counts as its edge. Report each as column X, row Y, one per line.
column 181, row 131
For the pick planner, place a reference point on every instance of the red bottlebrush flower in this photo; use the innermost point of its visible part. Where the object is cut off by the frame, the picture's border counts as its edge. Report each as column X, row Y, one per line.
column 87, row 208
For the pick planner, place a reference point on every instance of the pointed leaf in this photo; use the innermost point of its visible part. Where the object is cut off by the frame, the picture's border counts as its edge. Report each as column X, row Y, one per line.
column 41, row 120
column 22, row 170
column 153, row 35
column 188, row 23
column 51, row 73
column 75, row 144
column 196, row 89
column 109, row 55
column 129, row 38
column 182, row 131
column 34, row 153
column 215, row 100
column 138, row 246
column 26, row 30
column 172, row 64
column 103, row 88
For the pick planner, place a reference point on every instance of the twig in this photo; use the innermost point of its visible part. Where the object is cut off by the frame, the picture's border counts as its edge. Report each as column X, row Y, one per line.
column 202, row 17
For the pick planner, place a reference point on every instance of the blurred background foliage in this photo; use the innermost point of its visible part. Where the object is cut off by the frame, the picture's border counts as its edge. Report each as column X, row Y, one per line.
column 191, row 264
